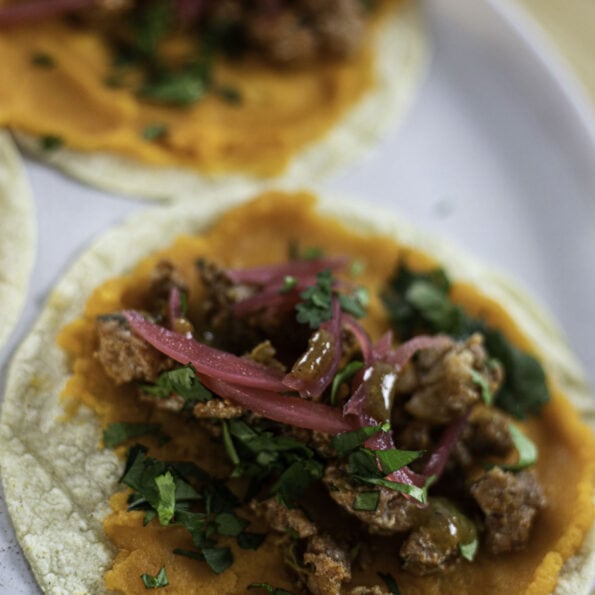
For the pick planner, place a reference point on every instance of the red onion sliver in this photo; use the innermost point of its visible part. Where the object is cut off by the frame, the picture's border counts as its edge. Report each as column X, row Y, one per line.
column 438, row 458
column 407, row 350
column 293, row 411
column 266, row 275
column 206, row 360
column 361, row 336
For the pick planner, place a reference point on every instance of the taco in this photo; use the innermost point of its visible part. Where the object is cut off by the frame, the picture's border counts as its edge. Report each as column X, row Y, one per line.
column 270, row 432
column 164, row 98
column 17, row 240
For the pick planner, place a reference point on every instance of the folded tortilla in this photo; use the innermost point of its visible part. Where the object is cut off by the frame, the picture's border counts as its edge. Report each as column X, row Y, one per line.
column 17, row 236
column 57, row 481
column 401, row 52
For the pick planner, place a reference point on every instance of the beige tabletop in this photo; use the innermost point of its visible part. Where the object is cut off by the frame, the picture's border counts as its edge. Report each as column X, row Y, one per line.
column 570, row 24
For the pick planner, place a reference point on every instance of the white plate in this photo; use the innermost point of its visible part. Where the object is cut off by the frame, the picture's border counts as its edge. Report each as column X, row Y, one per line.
column 498, row 154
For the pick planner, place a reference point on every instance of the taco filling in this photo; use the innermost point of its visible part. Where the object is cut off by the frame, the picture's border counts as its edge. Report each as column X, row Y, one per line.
column 309, row 410
column 214, row 86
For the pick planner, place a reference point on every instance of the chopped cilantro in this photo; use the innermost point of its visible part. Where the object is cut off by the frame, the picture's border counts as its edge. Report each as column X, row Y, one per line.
column 178, row 88
column 420, row 302
column 151, row 25
column 356, row 268
column 294, row 481
column 230, row 94
column 317, row 301
column 157, row 581
column 486, row 393
column 118, row 432
column 356, row 303
column 316, row 306
column 265, row 456
column 295, row 252
column 43, row 60
column 390, row 582
column 167, row 497
column 229, row 524
column 525, row 447
column 468, row 550
column 218, row 558
column 363, row 467
column 289, row 283
column 250, row 541
column 182, row 381
column 154, row 132
column 164, row 490
column 393, row 458
column 269, row 589
column 347, row 441
column 343, row 376
column 51, row 142
column 367, row 501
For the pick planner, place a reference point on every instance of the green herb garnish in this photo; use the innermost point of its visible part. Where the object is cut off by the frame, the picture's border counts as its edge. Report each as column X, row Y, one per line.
column 366, row 501
column 316, row 306
column 525, row 447
column 343, row 376
column 182, row 382
column 51, row 142
column 421, row 303
column 390, row 582
column 348, row 441
column 269, row 589
column 468, row 550
column 173, row 492
column 155, row 582
column 154, row 132
column 265, row 456
column 289, row 283
column 43, row 60
column 118, row 432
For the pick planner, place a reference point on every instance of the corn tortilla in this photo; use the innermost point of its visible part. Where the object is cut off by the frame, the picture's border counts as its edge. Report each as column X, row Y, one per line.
column 400, row 55
column 57, row 481
column 17, row 237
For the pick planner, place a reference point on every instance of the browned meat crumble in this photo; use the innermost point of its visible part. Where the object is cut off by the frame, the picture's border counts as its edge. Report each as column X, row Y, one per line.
column 438, row 386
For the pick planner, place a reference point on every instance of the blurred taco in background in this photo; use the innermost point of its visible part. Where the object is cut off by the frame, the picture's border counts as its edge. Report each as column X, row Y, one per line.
column 17, row 237
column 296, row 398
column 163, row 98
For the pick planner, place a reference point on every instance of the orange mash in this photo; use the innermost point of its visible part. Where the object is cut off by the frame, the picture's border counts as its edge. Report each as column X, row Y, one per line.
column 258, row 233
column 280, row 112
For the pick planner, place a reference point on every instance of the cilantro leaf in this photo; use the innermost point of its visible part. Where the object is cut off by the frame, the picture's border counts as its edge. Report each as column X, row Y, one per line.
column 393, row 458
column 43, row 60
column 117, row 433
column 367, row 501
column 218, row 558
column 269, row 589
column 421, row 303
column 343, row 376
column 390, row 582
column 181, row 381
column 154, row 132
column 525, row 447
column 316, row 306
column 347, row 441
column 468, row 550
column 51, row 142
column 166, row 504
column 155, row 582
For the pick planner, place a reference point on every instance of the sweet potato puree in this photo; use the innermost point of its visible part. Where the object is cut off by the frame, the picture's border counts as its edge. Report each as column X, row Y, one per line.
column 281, row 110
column 259, row 233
